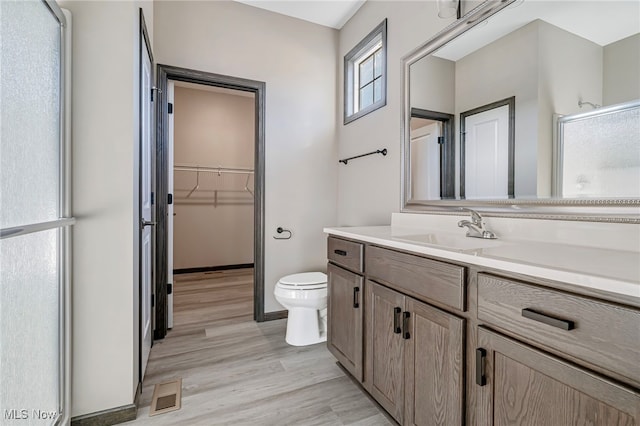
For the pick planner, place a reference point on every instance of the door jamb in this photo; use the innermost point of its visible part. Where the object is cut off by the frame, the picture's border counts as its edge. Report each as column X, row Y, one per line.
column 168, row 72
column 447, row 163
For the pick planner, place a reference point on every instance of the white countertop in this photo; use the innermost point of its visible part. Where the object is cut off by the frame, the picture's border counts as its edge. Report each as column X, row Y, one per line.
column 604, row 270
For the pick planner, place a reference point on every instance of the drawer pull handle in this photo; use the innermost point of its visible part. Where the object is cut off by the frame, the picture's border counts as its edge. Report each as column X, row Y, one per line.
column 405, row 325
column 554, row 322
column 340, row 252
column 356, row 293
column 481, row 379
column 396, row 320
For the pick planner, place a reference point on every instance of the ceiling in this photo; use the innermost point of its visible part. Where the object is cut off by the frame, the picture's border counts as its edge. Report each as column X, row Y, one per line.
column 602, row 22
column 330, row 13
column 599, row 21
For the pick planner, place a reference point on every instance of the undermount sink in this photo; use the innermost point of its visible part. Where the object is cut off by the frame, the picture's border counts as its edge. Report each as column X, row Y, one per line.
column 450, row 242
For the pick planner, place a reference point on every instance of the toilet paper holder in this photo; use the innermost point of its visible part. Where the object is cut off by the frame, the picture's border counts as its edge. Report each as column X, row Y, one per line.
column 281, row 230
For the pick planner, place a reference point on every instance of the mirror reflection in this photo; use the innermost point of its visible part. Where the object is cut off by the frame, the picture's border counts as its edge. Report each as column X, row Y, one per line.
column 486, row 107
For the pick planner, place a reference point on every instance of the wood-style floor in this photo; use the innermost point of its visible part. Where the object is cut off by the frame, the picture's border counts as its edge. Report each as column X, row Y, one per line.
column 238, row 372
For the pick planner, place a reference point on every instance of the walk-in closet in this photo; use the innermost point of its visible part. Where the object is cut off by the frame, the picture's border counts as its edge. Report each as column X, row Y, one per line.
column 213, row 204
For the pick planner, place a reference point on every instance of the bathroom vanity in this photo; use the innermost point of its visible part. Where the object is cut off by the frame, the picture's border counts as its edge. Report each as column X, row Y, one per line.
column 542, row 325
column 442, row 329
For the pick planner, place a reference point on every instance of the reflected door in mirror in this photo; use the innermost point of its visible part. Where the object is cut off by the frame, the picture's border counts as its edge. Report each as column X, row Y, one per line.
column 486, row 160
column 425, row 158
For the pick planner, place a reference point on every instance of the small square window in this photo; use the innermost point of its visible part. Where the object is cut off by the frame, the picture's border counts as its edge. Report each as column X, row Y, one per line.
column 365, row 75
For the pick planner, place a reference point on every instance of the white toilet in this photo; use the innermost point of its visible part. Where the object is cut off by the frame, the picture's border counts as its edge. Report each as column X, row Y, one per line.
column 305, row 296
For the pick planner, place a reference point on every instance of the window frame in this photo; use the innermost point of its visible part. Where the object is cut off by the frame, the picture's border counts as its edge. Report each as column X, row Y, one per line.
column 352, row 61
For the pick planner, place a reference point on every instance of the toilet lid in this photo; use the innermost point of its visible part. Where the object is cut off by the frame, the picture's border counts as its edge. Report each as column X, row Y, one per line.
column 305, row 279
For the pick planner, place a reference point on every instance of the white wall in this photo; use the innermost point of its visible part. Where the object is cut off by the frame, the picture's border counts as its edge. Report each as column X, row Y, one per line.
column 621, row 71
column 297, row 60
column 369, row 188
column 214, row 225
column 104, row 141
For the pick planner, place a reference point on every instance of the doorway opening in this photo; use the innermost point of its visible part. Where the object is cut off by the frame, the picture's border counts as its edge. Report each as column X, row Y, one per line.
column 211, row 176
column 432, row 148
column 210, row 193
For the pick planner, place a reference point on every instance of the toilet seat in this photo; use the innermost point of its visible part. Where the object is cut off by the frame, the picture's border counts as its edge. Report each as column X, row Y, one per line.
column 304, row 281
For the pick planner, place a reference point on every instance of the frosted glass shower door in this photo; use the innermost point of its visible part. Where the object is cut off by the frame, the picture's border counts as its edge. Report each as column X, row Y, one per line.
column 598, row 153
column 34, row 216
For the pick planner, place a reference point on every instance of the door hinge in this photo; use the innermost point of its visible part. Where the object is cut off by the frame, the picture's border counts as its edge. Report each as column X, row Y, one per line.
column 440, row 140
column 170, row 108
column 153, row 198
column 169, row 198
column 169, row 288
column 155, row 89
column 153, row 301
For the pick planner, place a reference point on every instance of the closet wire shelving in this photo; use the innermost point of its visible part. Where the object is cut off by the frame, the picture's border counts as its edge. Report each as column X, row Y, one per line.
column 217, row 170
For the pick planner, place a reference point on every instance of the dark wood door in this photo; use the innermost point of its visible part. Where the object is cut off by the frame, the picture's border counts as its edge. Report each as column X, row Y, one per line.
column 344, row 318
column 434, row 366
column 528, row 387
column 384, row 365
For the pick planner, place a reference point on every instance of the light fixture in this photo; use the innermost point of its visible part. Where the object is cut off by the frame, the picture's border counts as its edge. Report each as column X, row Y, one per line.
column 448, row 8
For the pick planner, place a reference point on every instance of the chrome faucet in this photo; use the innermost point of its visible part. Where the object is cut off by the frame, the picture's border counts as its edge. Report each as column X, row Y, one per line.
column 476, row 226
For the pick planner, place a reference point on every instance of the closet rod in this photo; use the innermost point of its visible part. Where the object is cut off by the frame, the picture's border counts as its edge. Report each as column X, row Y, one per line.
column 238, row 170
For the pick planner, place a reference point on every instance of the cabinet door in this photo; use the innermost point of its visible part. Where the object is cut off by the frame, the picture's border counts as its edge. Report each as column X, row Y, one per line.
column 384, row 366
column 434, row 360
column 525, row 386
column 344, row 318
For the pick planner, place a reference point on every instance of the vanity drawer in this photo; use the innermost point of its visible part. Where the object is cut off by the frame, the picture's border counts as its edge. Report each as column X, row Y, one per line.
column 598, row 332
column 345, row 253
column 416, row 276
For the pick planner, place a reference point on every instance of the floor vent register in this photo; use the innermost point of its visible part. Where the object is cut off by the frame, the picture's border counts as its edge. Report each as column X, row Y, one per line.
column 166, row 397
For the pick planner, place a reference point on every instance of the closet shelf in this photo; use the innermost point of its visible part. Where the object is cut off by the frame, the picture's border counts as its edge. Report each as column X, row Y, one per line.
column 219, row 170
column 209, row 169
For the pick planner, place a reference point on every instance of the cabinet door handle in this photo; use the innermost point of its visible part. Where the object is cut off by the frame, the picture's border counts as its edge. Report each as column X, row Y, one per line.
column 405, row 325
column 396, row 320
column 340, row 252
column 481, row 380
column 356, row 298
column 546, row 319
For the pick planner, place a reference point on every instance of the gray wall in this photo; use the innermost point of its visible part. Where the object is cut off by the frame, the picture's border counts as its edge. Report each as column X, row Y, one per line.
column 621, row 71
column 570, row 69
column 507, row 67
column 297, row 60
column 369, row 188
column 426, row 94
column 105, row 135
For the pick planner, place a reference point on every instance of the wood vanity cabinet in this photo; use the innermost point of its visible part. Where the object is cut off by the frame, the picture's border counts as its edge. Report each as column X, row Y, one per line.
column 518, row 382
column 439, row 343
column 520, row 385
column 345, row 304
column 414, row 358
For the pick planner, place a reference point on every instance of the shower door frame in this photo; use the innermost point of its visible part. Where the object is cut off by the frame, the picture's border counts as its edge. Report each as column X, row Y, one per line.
column 65, row 220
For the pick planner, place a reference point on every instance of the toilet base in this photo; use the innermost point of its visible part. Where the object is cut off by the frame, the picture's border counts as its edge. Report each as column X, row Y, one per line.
column 305, row 327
